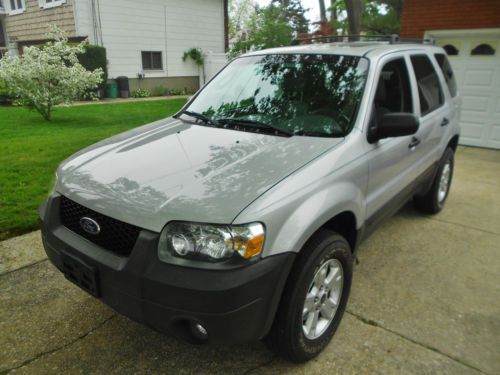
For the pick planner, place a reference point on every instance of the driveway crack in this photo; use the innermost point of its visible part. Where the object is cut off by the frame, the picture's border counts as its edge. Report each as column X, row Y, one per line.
column 425, row 346
column 42, row 354
column 23, row 267
column 259, row 366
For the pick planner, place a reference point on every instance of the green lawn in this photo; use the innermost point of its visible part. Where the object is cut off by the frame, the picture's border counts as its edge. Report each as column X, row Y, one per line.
column 31, row 149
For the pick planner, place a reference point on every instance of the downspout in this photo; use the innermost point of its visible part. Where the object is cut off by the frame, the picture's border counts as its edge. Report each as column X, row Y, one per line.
column 226, row 25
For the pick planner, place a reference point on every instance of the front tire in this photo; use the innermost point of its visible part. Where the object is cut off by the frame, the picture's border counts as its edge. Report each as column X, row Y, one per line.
column 314, row 299
column 433, row 201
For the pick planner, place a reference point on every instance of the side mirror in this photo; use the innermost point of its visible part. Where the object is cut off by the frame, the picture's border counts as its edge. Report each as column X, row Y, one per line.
column 394, row 125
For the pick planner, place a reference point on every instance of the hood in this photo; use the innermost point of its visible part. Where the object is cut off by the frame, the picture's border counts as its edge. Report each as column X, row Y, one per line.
column 171, row 170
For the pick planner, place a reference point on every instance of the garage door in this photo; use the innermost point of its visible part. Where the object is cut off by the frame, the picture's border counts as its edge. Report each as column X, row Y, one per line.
column 475, row 58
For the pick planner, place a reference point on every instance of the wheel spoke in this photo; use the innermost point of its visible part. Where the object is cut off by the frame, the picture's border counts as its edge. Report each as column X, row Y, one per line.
column 328, row 309
column 312, row 322
column 309, row 303
column 319, row 279
column 332, row 277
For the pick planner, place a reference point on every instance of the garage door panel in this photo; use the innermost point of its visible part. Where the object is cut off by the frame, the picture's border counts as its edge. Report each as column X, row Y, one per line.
column 475, row 103
column 483, row 77
column 495, row 136
column 472, row 130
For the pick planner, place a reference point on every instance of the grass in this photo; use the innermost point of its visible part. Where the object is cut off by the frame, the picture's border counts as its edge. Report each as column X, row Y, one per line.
column 31, row 149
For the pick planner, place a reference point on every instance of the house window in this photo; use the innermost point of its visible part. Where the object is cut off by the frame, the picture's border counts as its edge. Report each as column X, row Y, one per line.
column 483, row 49
column 451, row 50
column 16, row 6
column 51, row 3
column 152, row 60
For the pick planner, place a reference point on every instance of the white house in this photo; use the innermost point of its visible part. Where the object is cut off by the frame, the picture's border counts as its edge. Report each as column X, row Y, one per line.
column 144, row 39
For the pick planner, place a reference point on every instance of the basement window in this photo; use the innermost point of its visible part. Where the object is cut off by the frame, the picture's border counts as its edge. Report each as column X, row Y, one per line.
column 483, row 50
column 51, row 3
column 152, row 60
column 16, row 7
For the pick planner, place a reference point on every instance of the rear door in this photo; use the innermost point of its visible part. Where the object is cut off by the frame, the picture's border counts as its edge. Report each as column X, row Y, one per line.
column 433, row 109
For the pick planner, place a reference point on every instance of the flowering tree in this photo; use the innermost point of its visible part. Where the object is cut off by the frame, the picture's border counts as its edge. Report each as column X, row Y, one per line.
column 48, row 75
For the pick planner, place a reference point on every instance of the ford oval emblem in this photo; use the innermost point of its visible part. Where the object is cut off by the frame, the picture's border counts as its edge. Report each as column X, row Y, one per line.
column 90, row 225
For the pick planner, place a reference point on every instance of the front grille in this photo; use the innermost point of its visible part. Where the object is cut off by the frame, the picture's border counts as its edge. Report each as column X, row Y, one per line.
column 115, row 235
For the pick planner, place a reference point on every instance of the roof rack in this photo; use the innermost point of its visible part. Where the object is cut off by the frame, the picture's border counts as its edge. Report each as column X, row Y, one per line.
column 391, row 39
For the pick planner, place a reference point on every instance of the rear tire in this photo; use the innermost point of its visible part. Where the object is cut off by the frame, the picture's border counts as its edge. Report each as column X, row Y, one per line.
column 322, row 272
column 433, row 201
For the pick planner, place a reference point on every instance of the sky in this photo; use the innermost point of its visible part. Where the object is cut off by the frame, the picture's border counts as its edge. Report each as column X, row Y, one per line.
column 312, row 15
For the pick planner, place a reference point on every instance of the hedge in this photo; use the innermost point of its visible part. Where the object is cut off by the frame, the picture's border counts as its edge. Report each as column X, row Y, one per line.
column 95, row 57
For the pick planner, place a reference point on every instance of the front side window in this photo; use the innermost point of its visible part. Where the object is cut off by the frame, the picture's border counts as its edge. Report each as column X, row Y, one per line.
column 152, row 60
column 16, row 6
column 445, row 66
column 393, row 90
column 311, row 95
column 429, row 89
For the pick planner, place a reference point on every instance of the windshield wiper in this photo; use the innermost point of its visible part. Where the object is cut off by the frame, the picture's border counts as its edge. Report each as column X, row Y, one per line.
column 198, row 116
column 307, row 133
column 255, row 124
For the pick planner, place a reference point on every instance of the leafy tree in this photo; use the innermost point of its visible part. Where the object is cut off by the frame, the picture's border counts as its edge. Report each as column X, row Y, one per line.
column 374, row 17
column 376, row 22
column 46, row 76
column 272, row 26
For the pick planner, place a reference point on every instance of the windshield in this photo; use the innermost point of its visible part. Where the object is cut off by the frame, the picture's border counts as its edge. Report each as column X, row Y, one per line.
column 315, row 95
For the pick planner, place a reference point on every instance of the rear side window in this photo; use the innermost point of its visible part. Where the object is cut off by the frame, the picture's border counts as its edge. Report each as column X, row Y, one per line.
column 429, row 89
column 445, row 66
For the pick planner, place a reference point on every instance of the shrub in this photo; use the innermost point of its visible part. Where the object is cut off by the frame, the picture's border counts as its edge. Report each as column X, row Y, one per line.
column 176, row 91
column 44, row 77
column 5, row 96
column 196, row 54
column 141, row 93
column 92, row 58
column 158, row 91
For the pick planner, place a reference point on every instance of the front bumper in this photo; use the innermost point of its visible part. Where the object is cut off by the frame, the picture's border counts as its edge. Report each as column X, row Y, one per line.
column 234, row 305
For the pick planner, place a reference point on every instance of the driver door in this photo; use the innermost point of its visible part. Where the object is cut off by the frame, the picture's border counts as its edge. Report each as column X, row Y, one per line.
column 391, row 167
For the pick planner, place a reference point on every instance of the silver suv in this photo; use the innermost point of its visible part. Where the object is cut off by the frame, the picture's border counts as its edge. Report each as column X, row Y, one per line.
column 239, row 218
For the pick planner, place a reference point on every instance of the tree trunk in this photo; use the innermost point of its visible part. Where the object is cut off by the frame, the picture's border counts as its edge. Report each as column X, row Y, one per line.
column 354, row 13
column 322, row 11
column 333, row 16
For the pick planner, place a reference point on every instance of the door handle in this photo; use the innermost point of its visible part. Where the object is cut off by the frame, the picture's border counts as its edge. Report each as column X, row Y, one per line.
column 414, row 143
column 445, row 121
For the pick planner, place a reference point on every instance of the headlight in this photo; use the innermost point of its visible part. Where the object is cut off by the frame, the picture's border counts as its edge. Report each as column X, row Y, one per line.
column 210, row 242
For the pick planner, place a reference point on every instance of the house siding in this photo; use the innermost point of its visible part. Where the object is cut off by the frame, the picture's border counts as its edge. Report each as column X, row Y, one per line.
column 33, row 23
column 170, row 26
column 421, row 15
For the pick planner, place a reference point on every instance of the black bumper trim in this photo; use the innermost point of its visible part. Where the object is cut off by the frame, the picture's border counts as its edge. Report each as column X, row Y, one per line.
column 234, row 305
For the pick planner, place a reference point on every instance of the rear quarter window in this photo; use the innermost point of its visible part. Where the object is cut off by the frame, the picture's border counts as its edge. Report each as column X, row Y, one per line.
column 445, row 66
column 429, row 89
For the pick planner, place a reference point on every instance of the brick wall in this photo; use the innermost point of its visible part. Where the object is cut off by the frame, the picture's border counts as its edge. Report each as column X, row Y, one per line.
column 421, row 15
column 33, row 23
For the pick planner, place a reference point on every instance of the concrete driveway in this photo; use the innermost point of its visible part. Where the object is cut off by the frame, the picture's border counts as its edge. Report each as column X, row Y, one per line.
column 425, row 300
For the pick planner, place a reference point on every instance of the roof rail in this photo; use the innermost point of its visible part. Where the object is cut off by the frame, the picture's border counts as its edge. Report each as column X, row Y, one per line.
column 391, row 39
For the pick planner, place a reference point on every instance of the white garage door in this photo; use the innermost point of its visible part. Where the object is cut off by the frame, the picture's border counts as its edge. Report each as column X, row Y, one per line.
column 475, row 58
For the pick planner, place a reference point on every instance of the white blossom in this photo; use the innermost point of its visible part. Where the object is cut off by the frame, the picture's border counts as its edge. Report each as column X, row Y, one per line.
column 48, row 75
